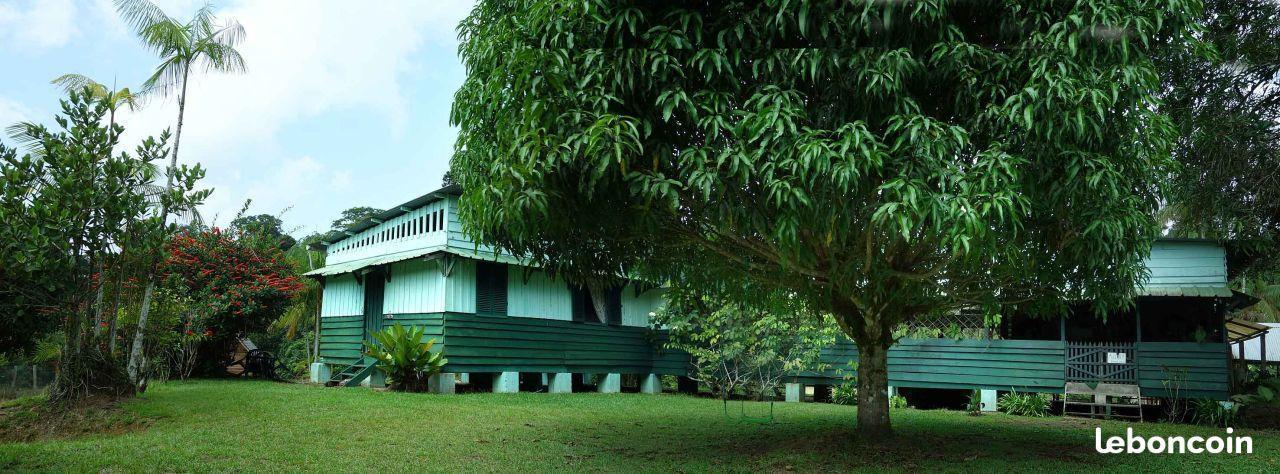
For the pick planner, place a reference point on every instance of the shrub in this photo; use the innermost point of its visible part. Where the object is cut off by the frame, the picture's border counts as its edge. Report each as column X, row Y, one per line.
column 846, row 393
column 897, row 401
column 406, row 360
column 1212, row 413
column 1024, row 404
column 974, row 407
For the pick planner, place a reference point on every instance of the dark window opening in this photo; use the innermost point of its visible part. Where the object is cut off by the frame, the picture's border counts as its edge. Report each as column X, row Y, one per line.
column 1031, row 327
column 585, row 309
column 491, row 289
column 1084, row 325
column 1180, row 319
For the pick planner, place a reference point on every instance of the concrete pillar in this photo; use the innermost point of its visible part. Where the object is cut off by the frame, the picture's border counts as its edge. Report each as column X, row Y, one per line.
column 610, row 383
column 988, row 400
column 441, row 383
column 506, row 382
column 560, row 383
column 893, row 391
column 376, row 379
column 795, row 392
column 651, row 384
column 464, row 378
column 320, row 372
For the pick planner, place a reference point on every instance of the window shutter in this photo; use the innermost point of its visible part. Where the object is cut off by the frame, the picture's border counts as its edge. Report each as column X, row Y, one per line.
column 491, row 289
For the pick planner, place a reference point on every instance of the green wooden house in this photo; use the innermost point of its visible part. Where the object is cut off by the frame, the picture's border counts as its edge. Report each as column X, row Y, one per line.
column 494, row 317
column 1172, row 343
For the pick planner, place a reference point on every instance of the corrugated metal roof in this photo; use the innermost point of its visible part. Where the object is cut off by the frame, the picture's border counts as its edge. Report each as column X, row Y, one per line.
column 1196, row 291
column 356, row 265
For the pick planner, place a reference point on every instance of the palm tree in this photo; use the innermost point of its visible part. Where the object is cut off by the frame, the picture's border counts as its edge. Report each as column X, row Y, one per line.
column 200, row 44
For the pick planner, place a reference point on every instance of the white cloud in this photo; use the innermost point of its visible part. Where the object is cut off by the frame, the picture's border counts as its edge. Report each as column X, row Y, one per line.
column 36, row 24
column 12, row 112
column 305, row 59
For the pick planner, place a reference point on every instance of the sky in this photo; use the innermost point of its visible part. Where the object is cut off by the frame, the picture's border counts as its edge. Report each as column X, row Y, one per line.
column 344, row 103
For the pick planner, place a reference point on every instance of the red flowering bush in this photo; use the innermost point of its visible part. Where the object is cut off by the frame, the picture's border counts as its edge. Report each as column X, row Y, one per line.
column 235, row 284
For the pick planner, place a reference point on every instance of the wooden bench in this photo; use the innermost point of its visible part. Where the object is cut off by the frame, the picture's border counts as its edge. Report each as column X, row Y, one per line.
column 1127, row 404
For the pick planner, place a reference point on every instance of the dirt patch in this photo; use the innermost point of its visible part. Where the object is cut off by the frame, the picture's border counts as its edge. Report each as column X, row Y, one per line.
column 31, row 419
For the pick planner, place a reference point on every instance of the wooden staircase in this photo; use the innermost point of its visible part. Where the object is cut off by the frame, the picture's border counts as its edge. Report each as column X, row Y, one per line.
column 353, row 374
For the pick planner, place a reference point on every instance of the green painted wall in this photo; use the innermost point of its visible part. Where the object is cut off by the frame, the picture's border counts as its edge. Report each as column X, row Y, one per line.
column 493, row 344
column 1201, row 366
column 957, row 364
column 416, row 286
column 460, row 287
column 537, row 295
column 1178, row 264
column 636, row 309
column 342, row 297
column 340, row 339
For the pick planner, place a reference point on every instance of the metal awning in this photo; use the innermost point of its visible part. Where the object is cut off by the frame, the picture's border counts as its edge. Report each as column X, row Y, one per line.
column 1242, row 330
column 1194, row 291
column 355, row 265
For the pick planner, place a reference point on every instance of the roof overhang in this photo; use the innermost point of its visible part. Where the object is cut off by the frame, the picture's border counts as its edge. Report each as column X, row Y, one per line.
column 1241, row 330
column 1208, row 291
column 429, row 252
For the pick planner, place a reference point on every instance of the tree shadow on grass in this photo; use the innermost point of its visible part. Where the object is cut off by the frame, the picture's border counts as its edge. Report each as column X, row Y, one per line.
column 922, row 440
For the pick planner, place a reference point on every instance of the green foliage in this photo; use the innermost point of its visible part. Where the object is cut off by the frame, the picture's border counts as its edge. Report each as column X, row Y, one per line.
column 1024, row 404
column 353, row 216
column 1266, row 391
column 407, row 361
column 1225, row 100
column 897, row 402
column 974, row 404
column 846, row 393
column 264, row 226
column 238, row 284
column 1213, row 413
column 67, row 204
column 736, row 347
column 880, row 161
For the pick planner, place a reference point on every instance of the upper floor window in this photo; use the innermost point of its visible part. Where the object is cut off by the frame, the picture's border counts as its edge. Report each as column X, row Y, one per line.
column 491, row 289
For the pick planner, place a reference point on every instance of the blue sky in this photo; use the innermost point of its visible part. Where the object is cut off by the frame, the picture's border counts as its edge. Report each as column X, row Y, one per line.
column 344, row 103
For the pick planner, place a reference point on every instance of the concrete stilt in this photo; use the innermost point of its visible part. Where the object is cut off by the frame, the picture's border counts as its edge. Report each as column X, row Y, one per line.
column 321, row 372
column 560, row 383
column 441, row 383
column 651, row 384
column 506, row 382
column 989, row 400
column 610, row 383
column 795, row 392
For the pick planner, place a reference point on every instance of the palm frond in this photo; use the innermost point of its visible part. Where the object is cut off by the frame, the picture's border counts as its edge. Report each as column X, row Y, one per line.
column 220, row 57
column 231, row 33
column 77, row 82
column 167, row 77
column 28, row 136
column 141, row 14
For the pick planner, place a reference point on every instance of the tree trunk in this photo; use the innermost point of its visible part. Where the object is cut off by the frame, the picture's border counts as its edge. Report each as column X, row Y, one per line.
column 873, row 389
column 873, row 335
column 135, row 353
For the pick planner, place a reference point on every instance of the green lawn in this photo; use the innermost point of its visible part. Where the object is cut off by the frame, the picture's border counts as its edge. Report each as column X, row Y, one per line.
column 262, row 426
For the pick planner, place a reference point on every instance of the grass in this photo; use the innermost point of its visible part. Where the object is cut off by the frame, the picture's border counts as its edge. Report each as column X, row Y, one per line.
column 263, row 426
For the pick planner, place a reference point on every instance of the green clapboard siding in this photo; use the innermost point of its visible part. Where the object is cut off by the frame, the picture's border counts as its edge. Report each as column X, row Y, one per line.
column 956, row 364
column 416, row 287
column 342, row 297
column 340, row 339
column 1186, row 264
column 511, row 344
column 1202, row 368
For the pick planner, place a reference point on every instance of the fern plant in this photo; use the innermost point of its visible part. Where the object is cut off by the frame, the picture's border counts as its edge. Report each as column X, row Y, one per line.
column 403, row 356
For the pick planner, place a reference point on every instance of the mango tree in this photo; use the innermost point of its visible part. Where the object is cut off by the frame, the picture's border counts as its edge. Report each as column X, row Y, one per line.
column 881, row 160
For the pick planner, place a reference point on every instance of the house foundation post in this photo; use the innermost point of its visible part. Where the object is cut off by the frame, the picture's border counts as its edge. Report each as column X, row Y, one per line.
column 651, row 384
column 506, row 382
column 989, row 400
column 441, row 383
column 610, row 383
column 560, row 383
